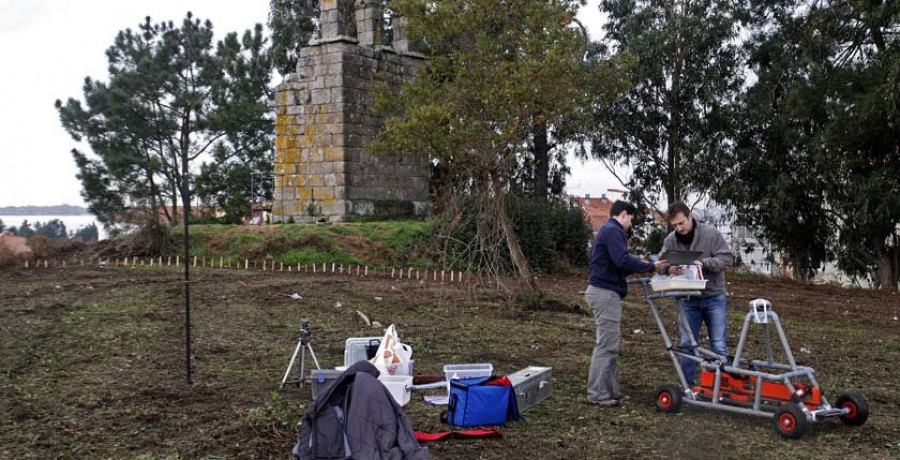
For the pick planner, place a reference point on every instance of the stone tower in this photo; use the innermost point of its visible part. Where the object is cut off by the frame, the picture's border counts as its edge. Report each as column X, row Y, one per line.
column 325, row 121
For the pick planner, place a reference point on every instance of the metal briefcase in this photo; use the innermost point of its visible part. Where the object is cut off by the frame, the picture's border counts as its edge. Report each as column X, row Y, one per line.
column 531, row 385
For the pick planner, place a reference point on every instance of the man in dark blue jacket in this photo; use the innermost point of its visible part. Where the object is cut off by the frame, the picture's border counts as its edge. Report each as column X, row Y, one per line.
column 610, row 264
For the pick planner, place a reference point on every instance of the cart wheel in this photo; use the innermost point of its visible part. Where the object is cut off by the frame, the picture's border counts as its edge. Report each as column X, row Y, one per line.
column 859, row 409
column 790, row 421
column 668, row 399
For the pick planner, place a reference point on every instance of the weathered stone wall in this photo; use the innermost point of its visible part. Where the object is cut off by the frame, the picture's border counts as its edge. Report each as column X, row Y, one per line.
column 325, row 120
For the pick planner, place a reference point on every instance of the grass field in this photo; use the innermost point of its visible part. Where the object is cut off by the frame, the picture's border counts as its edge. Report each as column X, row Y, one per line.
column 92, row 365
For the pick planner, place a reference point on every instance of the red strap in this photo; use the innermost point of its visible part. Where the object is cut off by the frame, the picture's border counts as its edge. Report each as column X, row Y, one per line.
column 421, row 379
column 479, row 433
column 431, row 437
column 502, row 381
column 465, row 434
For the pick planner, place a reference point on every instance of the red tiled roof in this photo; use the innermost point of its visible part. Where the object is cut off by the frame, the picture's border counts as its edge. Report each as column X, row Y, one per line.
column 596, row 209
column 15, row 244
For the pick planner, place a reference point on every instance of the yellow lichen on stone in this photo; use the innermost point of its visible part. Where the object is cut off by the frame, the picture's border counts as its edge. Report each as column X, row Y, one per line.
column 334, row 154
column 292, row 155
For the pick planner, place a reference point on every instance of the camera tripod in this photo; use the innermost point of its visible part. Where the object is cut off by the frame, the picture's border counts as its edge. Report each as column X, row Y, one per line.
column 302, row 346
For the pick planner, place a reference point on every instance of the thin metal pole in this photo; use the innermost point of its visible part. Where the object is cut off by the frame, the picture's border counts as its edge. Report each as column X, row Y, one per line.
column 187, row 282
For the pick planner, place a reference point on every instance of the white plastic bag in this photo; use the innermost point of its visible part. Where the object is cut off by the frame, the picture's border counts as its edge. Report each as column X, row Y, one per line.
column 393, row 357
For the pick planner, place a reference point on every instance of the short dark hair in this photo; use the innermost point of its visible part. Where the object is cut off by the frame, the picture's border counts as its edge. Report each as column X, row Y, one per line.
column 620, row 206
column 677, row 208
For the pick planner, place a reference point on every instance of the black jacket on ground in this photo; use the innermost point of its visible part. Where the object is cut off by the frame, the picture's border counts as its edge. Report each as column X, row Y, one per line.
column 357, row 418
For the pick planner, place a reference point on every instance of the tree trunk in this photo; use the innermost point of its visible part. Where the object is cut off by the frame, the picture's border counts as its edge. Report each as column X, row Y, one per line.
column 173, row 219
column 515, row 251
column 541, row 157
column 887, row 267
column 673, row 184
column 155, row 200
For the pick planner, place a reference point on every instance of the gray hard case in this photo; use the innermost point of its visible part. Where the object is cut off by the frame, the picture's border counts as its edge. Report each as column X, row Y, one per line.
column 531, row 385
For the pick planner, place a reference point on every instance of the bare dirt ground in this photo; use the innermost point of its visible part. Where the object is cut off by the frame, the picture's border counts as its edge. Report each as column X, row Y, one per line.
column 92, row 365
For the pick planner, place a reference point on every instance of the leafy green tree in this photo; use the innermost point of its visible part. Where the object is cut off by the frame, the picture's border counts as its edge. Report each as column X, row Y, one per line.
column 54, row 229
column 495, row 68
column 170, row 97
column 89, row 233
column 674, row 127
column 817, row 166
column 25, row 229
column 293, row 25
column 2, row 226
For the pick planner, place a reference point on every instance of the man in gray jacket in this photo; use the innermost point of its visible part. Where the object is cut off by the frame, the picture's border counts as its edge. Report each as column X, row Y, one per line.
column 711, row 307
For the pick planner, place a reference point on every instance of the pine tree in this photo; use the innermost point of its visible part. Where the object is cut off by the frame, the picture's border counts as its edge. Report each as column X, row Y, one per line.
column 170, row 98
column 293, row 25
column 54, row 229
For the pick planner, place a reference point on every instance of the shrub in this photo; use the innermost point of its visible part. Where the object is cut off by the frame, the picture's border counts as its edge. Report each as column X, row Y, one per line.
column 9, row 259
column 552, row 233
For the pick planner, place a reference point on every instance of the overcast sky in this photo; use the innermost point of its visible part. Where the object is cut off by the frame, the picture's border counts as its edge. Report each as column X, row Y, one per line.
column 50, row 46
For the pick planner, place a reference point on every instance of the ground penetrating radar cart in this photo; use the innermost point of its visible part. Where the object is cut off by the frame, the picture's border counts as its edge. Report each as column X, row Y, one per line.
column 787, row 392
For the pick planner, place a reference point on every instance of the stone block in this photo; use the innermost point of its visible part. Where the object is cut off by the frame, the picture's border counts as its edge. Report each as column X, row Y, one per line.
column 320, row 71
column 316, row 155
column 321, row 96
column 337, row 95
column 331, row 108
column 325, row 193
column 303, row 193
column 292, row 155
column 330, row 128
column 297, row 110
column 363, row 208
column 317, row 83
column 337, row 208
column 334, row 154
column 333, row 81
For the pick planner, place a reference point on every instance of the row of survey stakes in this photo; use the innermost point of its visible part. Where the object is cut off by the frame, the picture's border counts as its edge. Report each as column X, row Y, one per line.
column 410, row 273
column 473, row 394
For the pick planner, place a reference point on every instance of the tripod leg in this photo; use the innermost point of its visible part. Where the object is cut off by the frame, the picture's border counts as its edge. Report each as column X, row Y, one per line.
column 313, row 354
column 302, row 369
column 287, row 373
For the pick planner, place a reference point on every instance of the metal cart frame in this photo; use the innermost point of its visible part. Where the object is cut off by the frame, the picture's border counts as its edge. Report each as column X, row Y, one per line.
column 786, row 391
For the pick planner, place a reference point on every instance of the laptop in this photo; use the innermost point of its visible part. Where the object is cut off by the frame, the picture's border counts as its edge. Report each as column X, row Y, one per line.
column 681, row 257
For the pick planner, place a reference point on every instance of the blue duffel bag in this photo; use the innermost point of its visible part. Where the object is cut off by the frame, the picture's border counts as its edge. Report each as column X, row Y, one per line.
column 481, row 401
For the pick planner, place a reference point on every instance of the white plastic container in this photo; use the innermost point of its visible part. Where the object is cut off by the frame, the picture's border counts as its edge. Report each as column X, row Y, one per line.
column 464, row 371
column 677, row 284
column 321, row 379
column 399, row 386
column 356, row 349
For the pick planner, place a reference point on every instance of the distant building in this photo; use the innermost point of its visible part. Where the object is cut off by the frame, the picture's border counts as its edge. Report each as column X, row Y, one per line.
column 14, row 244
column 596, row 210
column 752, row 253
column 262, row 214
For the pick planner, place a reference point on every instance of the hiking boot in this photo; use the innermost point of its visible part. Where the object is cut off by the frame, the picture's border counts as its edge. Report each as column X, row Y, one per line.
column 606, row 402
